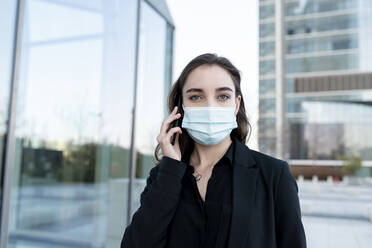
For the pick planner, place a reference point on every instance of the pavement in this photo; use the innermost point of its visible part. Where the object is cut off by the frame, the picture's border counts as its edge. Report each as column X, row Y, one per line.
column 336, row 215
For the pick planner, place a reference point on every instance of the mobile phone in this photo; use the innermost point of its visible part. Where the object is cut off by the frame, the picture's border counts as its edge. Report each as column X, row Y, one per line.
column 176, row 123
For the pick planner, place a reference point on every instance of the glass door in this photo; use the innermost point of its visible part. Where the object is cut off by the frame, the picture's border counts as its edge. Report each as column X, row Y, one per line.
column 73, row 123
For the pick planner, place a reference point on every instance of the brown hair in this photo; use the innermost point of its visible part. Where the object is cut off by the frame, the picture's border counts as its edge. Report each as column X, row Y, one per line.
column 186, row 143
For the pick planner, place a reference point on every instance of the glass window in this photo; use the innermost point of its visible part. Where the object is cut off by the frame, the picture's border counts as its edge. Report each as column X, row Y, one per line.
column 330, row 23
column 267, row 48
column 267, row 145
column 152, row 92
column 330, row 43
column 318, row 6
column 267, row 67
column 266, row 126
column 266, row 30
column 290, row 85
column 294, row 105
column 267, row 105
column 267, row 11
column 323, row 63
column 267, row 86
column 365, row 35
column 73, row 130
column 332, row 129
column 7, row 29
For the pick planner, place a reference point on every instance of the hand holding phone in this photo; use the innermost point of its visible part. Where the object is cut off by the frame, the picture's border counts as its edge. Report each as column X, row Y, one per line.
column 177, row 122
column 167, row 137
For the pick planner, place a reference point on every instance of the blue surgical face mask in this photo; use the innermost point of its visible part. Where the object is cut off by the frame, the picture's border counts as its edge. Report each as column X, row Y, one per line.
column 209, row 125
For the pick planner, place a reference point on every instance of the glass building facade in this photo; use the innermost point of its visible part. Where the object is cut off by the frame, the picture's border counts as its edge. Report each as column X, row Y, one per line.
column 79, row 82
column 328, row 83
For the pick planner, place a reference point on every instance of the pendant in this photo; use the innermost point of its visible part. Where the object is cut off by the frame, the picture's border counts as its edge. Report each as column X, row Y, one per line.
column 198, row 176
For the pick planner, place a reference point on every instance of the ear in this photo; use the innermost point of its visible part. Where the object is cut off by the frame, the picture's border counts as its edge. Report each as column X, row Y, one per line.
column 238, row 99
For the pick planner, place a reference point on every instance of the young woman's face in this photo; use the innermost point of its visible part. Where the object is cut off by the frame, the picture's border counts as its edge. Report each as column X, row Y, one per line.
column 210, row 86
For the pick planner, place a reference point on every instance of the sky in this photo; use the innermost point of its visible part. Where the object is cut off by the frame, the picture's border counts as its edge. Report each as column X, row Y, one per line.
column 227, row 28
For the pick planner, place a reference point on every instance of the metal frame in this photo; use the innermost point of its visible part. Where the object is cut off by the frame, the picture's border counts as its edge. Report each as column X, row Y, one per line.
column 132, row 153
column 280, row 75
column 168, row 70
column 160, row 9
column 10, row 139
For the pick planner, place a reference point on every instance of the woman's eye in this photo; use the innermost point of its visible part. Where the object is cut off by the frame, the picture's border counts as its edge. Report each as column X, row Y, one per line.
column 191, row 97
column 227, row 97
column 196, row 97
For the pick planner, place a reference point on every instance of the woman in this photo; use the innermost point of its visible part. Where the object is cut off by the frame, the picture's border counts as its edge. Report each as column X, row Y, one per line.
column 209, row 189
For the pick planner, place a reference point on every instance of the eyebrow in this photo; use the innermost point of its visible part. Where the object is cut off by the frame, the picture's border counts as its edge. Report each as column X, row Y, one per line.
column 201, row 90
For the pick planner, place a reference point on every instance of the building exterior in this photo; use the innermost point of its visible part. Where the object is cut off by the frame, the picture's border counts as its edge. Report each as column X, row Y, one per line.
column 315, row 89
column 79, row 81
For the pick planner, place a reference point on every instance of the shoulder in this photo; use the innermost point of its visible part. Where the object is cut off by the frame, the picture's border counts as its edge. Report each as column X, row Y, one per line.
column 269, row 164
column 169, row 166
column 272, row 169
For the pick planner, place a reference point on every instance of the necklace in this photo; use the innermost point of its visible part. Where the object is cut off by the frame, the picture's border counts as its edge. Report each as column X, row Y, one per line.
column 198, row 176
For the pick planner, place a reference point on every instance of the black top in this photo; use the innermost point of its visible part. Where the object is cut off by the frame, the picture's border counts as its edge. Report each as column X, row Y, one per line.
column 204, row 224
column 265, row 212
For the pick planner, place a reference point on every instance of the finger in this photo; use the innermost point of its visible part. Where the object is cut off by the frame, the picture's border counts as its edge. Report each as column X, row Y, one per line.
column 172, row 115
column 165, row 125
column 171, row 132
column 174, row 109
column 178, row 134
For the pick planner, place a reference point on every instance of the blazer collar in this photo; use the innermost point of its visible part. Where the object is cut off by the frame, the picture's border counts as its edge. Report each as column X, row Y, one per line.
column 244, row 188
column 242, row 154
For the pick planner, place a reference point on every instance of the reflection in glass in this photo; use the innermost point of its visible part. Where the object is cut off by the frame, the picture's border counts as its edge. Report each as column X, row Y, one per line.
column 267, row 67
column 323, row 63
column 153, row 85
column 331, row 129
column 267, row 145
column 318, row 6
column 322, row 24
column 289, row 85
column 294, row 105
column 328, row 43
column 7, row 27
column 72, row 136
column 266, row 126
column 267, row 105
column 267, row 86
column 267, row 11
column 267, row 48
column 267, row 29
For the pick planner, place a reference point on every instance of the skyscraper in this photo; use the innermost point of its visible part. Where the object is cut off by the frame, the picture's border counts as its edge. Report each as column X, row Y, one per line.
column 315, row 89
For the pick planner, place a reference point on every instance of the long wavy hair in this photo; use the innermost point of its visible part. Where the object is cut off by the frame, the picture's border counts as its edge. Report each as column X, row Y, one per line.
column 244, row 128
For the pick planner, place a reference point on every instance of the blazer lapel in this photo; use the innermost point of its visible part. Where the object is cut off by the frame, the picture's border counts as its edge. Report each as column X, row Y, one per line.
column 244, row 188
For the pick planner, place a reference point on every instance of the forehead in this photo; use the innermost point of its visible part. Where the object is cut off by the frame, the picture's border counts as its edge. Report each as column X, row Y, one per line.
column 209, row 77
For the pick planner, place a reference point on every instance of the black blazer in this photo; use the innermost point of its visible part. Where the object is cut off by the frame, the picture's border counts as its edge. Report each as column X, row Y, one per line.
column 266, row 211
